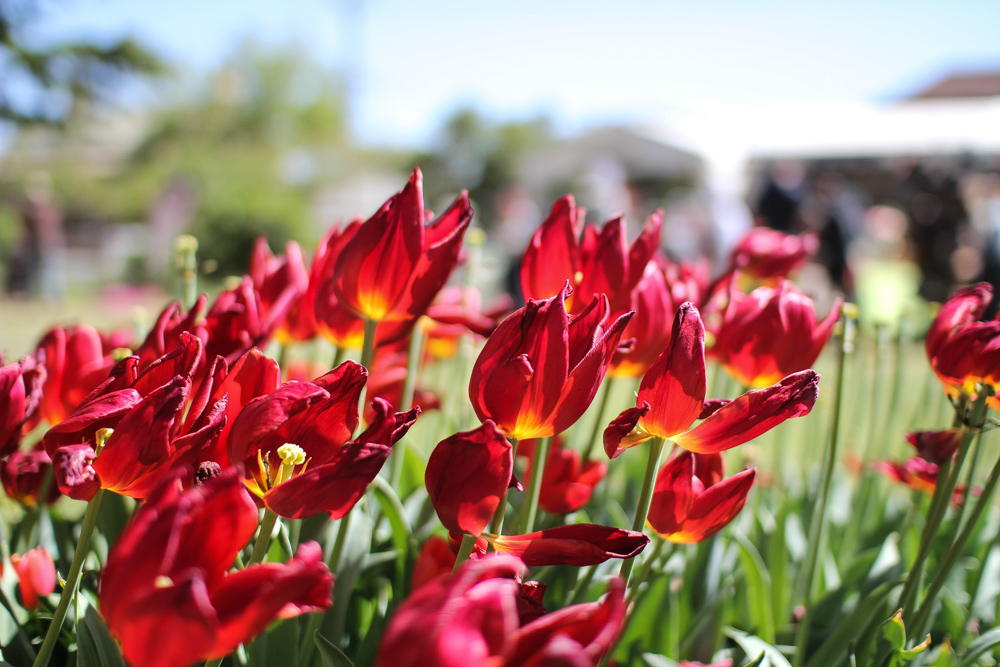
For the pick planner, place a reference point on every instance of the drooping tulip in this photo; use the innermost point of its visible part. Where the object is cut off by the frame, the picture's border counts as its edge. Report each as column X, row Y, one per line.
column 771, row 333
column 672, row 396
column 692, row 501
column 166, row 591
column 541, row 368
column 579, row 545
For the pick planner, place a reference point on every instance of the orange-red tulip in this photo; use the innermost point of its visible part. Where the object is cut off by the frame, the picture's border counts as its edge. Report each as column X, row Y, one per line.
column 36, row 575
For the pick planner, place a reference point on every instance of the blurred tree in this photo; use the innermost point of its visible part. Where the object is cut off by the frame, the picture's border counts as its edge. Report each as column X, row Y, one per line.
column 48, row 84
column 480, row 156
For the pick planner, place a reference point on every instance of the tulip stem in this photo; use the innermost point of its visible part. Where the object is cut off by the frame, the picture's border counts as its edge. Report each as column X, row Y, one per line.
column 263, row 537
column 645, row 499
column 496, row 525
column 339, row 354
column 367, row 353
column 818, row 518
column 647, row 566
column 537, row 473
column 72, row 579
column 416, row 350
column 338, row 544
column 602, row 406
column 464, row 551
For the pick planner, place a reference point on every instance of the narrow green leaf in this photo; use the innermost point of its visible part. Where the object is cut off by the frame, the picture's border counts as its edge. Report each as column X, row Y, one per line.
column 983, row 643
column 894, row 631
column 832, row 650
column 402, row 534
column 758, row 662
column 329, row 653
column 96, row 647
column 753, row 645
column 656, row 660
column 759, row 588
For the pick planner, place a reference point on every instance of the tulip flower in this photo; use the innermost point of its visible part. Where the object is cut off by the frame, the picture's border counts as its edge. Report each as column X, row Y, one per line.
column 293, row 444
column 692, row 501
column 166, row 591
column 771, row 333
column 435, row 559
column 768, row 254
column 36, row 575
column 599, row 264
column 567, row 483
column 20, row 395
column 962, row 350
column 283, row 284
column 75, row 364
column 395, row 265
column 467, row 476
column 171, row 323
column 649, row 328
column 540, row 369
column 23, row 475
column 672, row 396
column 578, row 544
column 920, row 475
column 473, row 619
column 935, row 446
column 337, row 323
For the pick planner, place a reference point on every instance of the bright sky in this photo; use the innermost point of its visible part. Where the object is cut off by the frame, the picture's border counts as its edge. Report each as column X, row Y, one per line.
column 582, row 62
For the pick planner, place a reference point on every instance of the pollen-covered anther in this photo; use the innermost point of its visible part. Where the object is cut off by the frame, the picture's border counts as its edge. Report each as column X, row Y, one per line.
column 291, row 456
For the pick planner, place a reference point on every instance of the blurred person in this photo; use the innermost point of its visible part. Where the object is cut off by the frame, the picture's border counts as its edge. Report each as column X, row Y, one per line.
column 782, row 196
column 887, row 277
column 37, row 267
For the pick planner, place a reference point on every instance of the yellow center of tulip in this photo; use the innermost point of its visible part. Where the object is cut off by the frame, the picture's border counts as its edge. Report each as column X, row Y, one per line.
column 290, row 455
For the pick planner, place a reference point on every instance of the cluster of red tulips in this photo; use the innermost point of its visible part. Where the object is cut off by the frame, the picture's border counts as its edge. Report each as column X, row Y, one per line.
column 218, row 443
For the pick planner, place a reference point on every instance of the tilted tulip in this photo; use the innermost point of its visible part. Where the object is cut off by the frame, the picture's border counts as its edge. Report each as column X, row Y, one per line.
column 935, row 446
column 283, row 284
column 166, row 591
column 293, row 444
column 579, row 545
column 36, row 576
column 467, row 475
column 394, row 265
column 768, row 254
column 541, row 368
column 962, row 350
column 20, row 395
column 771, row 333
column 672, row 396
column 692, row 501
column 23, row 476
column 920, row 475
column 475, row 618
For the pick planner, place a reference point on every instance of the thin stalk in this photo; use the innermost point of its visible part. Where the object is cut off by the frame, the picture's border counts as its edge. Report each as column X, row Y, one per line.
column 977, row 582
column 367, row 352
column 645, row 499
column 818, row 519
column 186, row 262
column 464, row 551
column 282, row 359
column 970, row 476
column 339, row 355
column 602, row 406
column 72, row 579
column 535, row 484
column 416, row 351
column 263, row 537
column 583, row 583
column 647, row 567
column 955, row 550
column 338, row 545
column 496, row 525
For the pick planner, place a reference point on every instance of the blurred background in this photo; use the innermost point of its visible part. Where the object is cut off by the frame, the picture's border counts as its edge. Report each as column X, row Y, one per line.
column 875, row 125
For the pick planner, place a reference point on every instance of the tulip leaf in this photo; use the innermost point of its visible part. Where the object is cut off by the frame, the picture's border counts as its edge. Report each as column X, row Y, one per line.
column 656, row 660
column 758, row 662
column 329, row 653
column 852, row 626
column 96, row 647
column 402, row 534
column 983, row 643
column 753, row 645
column 759, row 585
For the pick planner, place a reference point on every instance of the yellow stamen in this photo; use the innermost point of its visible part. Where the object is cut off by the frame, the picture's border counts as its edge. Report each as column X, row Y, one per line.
column 163, row 581
column 291, row 456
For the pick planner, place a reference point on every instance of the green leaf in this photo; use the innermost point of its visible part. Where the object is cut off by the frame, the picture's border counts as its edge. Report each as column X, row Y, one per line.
column 894, row 631
column 96, row 648
column 402, row 534
column 278, row 646
column 329, row 653
column 759, row 585
column 656, row 660
column 356, row 549
column 983, row 643
column 753, row 645
column 758, row 662
column 851, row 627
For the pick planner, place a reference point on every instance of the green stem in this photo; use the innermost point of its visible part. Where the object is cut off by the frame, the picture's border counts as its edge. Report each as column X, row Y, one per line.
column 339, row 355
column 602, row 406
column 263, row 537
column 464, row 551
column 955, row 550
column 496, row 525
column 645, row 499
column 647, row 567
column 367, row 352
column 282, row 359
column 416, row 351
column 583, row 583
column 338, row 545
column 535, row 484
column 818, row 518
column 72, row 579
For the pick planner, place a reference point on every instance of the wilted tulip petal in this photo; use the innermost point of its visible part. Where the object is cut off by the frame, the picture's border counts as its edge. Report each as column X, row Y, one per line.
column 576, row 544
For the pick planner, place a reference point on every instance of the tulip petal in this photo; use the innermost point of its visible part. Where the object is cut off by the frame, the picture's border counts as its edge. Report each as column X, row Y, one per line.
column 576, row 544
column 752, row 414
column 553, row 254
column 714, row 509
column 672, row 495
column 618, row 436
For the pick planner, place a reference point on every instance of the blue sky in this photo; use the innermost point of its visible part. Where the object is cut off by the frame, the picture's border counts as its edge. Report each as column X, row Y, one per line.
column 581, row 62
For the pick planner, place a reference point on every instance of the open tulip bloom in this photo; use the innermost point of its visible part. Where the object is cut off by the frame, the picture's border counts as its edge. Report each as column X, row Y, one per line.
column 672, row 396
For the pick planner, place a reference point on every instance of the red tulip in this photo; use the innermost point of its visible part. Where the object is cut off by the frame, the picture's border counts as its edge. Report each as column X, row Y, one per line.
column 165, row 589
column 920, row 475
column 540, row 369
column 599, row 264
column 935, row 446
column 467, row 476
column 649, row 328
column 567, row 483
column 962, row 350
column 282, row 283
column 36, row 574
column 456, row 312
column 337, row 323
column 771, row 333
column 395, row 265
column 293, row 444
column 692, row 502
column 476, row 618
column 672, row 396
column 165, row 333
column 770, row 254
column 75, row 364
column 23, row 474
column 578, row 544
column 435, row 559
column 20, row 395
